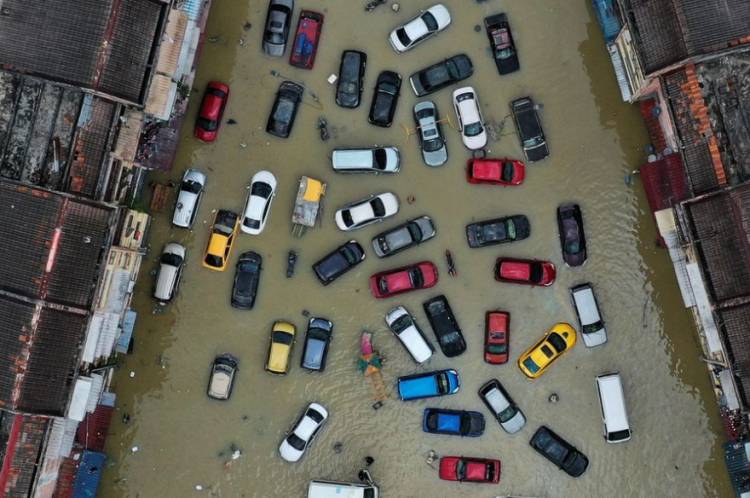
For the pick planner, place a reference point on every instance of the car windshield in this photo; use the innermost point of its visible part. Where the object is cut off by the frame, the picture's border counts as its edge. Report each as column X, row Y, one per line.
column 208, row 124
column 414, row 231
column 507, row 414
column 508, row 171
column 401, row 324
column 432, row 145
column 251, row 223
column 213, row 260
column 416, row 278
column 380, row 159
column 511, row 228
column 530, row 365
column 282, row 337
column 274, row 38
column 403, row 37
column 191, row 186
column 295, row 442
column 346, row 215
column 430, row 21
column 443, row 384
column 536, row 272
column 171, row 259
column 592, row 327
column 504, row 53
column 378, row 208
column 557, row 342
column 261, row 189
column 547, row 351
column 349, row 255
column 473, row 129
column 497, row 348
column 532, row 142
column 388, row 88
column 314, row 414
column 461, row 470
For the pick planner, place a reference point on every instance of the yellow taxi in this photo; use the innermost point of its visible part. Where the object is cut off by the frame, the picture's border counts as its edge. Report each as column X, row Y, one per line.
column 535, row 360
column 280, row 348
column 220, row 240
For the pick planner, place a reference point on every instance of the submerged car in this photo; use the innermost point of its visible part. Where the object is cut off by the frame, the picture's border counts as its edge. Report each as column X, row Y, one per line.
column 385, row 99
column 428, row 384
column 317, row 341
column 302, row 433
column 374, row 160
column 246, row 280
column 422, row 275
column 504, row 171
column 220, row 240
column 351, row 75
column 556, row 341
column 284, row 110
column 189, row 197
column 221, row 379
column 503, row 408
column 445, row 326
column 496, row 337
column 306, row 39
column 469, row 469
column 453, row 422
column 280, row 347
column 502, row 44
column 470, row 120
column 559, row 451
column 422, row 27
column 276, row 32
column 572, row 236
column 211, row 111
column 498, row 231
column 442, row 74
column 431, row 140
column 372, row 209
column 338, row 262
column 530, row 132
column 171, row 264
column 405, row 328
column 525, row 271
column 402, row 237
column 258, row 205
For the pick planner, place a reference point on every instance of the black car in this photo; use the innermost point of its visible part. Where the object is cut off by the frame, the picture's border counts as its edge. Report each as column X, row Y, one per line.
column 317, row 341
column 498, row 231
column 441, row 75
column 572, row 236
column 445, row 326
column 502, row 44
column 384, row 101
column 351, row 78
column 529, row 128
column 453, row 422
column 404, row 236
column 338, row 262
column 276, row 30
column 246, row 279
column 560, row 452
column 284, row 110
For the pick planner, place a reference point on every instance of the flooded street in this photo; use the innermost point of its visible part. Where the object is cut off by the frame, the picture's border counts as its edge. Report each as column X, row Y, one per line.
column 184, row 438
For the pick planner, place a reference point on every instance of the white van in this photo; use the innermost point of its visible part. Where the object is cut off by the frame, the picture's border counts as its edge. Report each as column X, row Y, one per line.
column 614, row 413
column 170, row 270
column 333, row 489
column 590, row 319
column 375, row 160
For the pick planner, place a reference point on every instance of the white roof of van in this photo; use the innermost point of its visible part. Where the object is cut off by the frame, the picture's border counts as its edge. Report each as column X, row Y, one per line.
column 613, row 402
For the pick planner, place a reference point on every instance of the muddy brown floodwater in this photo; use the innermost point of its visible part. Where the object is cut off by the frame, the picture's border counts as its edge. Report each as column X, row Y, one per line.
column 595, row 141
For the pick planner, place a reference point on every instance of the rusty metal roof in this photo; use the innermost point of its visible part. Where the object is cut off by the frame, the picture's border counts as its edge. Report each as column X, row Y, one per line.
column 21, row 443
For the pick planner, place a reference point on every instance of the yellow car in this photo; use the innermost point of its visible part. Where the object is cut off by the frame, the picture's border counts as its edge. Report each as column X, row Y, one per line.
column 535, row 360
column 280, row 349
column 221, row 239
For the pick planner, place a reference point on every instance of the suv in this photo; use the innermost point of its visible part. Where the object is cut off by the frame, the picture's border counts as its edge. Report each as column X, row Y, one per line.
column 351, row 76
column 410, row 234
column 529, row 128
column 501, row 405
column 442, row 74
column 189, row 198
column 560, row 452
column 171, row 263
column 246, row 280
column 445, row 326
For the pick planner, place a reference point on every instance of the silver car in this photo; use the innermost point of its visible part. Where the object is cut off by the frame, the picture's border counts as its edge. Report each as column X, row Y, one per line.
column 276, row 32
column 404, row 236
column 502, row 407
column 373, row 160
column 434, row 150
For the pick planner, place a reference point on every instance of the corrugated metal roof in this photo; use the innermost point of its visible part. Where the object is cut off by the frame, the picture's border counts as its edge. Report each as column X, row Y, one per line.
column 161, row 95
column 171, row 43
column 129, row 135
column 89, row 474
column 22, row 451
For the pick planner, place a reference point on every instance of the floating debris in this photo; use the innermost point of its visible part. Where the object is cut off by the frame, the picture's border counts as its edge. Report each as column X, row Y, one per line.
column 553, row 398
column 338, row 447
column 291, row 263
column 305, row 313
column 132, row 374
column 213, row 39
column 477, row 28
column 247, row 26
column 372, row 5
column 322, row 126
column 231, row 121
column 451, row 264
column 395, row 7
column 134, row 449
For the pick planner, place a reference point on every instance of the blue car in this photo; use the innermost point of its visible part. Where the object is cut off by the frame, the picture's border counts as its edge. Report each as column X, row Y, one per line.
column 429, row 384
column 453, row 422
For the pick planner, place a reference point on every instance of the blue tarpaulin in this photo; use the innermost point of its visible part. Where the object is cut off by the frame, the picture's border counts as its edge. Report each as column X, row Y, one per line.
column 192, row 8
column 89, row 474
column 607, row 17
column 128, row 324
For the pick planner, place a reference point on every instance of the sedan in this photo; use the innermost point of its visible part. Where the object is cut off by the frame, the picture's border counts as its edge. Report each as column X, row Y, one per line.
column 302, row 433
column 258, row 204
column 402, row 237
column 502, row 44
column 351, row 76
column 453, row 422
column 317, row 341
column 468, row 469
column 559, row 451
column 440, row 75
column 385, row 99
column 422, row 275
column 276, row 32
column 284, row 110
column 530, row 132
column 496, row 337
column 405, row 328
column 372, row 209
column 220, row 240
column 431, row 140
column 505, row 172
column 425, row 25
column 338, row 262
column 246, row 280
column 211, row 111
column 306, row 40
column 192, row 187
column 501, row 405
column 525, row 271
column 470, row 121
column 221, row 379
column 556, row 341
column 498, row 231
column 444, row 324
column 572, row 236
column 280, row 347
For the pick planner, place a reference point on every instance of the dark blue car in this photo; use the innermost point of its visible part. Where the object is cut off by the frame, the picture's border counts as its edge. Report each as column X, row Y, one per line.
column 317, row 341
column 453, row 422
column 428, row 384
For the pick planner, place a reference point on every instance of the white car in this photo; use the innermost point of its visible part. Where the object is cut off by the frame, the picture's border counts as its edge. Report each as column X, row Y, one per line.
column 303, row 432
column 425, row 25
column 470, row 120
column 501, row 405
column 372, row 209
column 189, row 198
column 402, row 324
column 262, row 192
column 375, row 160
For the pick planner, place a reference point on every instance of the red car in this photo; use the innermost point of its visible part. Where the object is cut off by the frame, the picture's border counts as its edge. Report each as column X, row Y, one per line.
column 468, row 469
column 306, row 40
column 525, row 271
column 420, row 275
column 212, row 109
column 496, row 337
column 496, row 171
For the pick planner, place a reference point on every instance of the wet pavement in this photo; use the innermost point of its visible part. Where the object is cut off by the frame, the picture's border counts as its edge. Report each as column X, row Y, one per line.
column 185, row 440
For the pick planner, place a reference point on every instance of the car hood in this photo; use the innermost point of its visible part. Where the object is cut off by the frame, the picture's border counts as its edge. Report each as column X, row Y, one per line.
column 437, row 157
column 515, row 424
